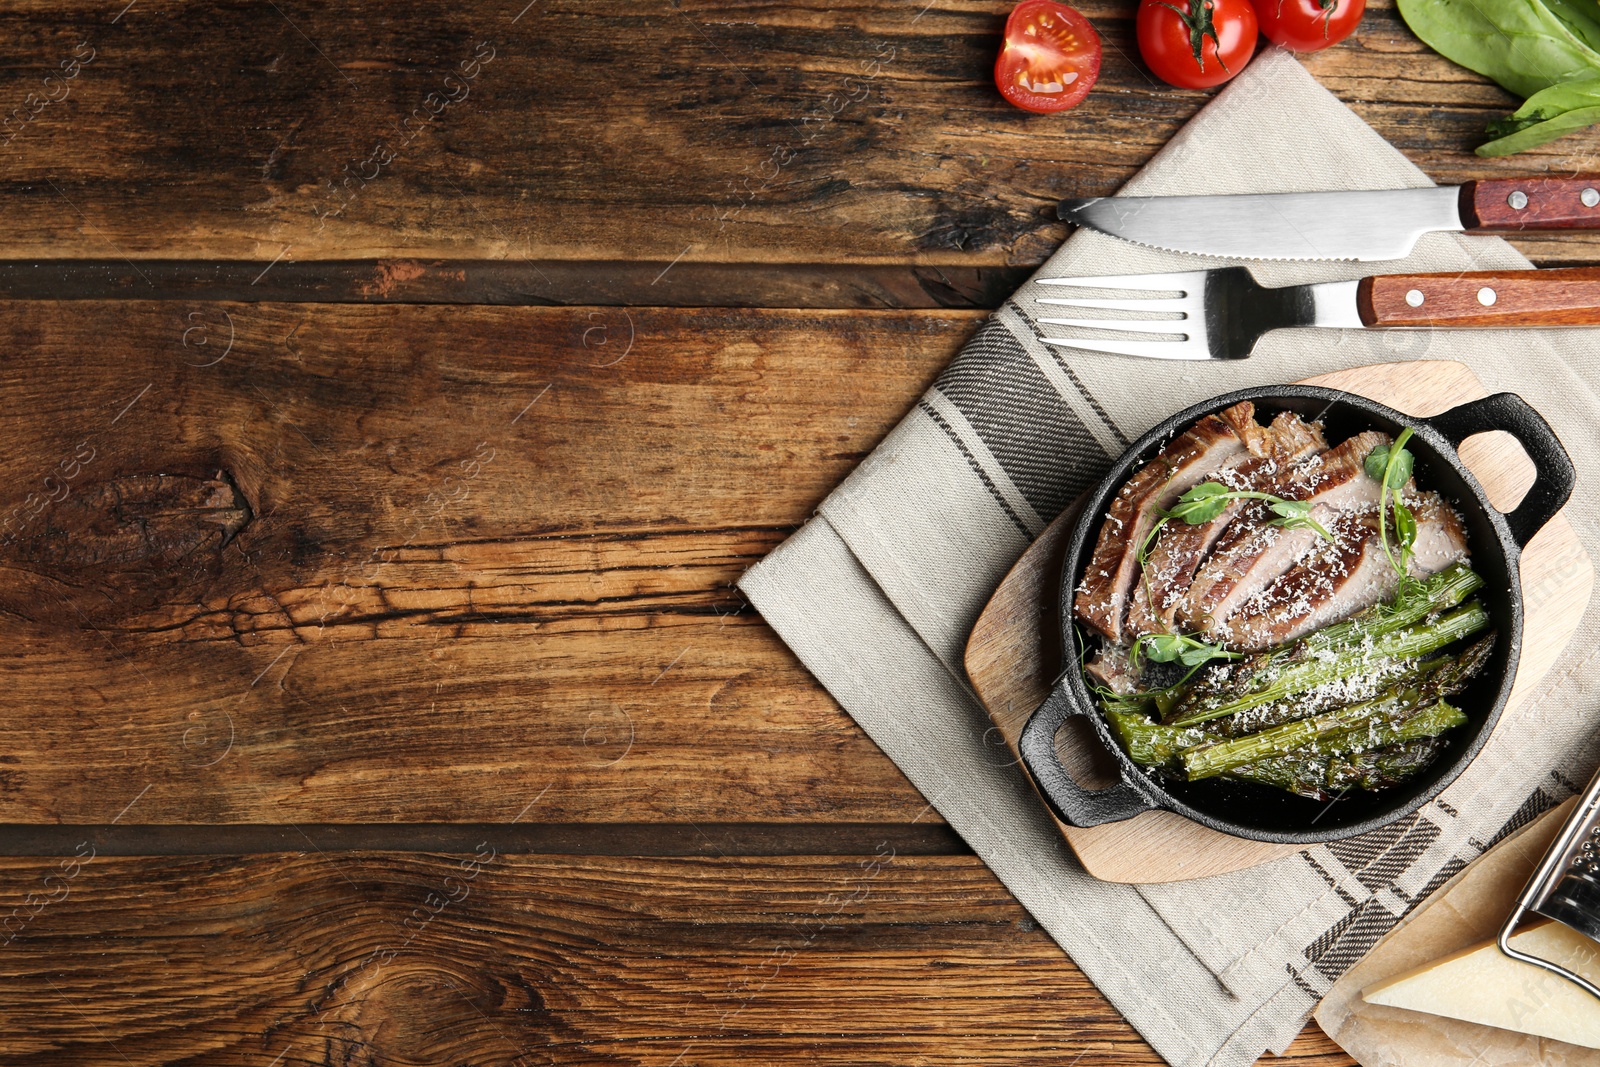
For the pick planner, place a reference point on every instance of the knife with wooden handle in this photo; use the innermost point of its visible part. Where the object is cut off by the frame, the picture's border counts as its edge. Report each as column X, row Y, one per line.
column 1361, row 224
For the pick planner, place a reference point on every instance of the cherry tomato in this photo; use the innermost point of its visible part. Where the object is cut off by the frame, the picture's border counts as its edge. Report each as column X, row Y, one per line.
column 1050, row 59
column 1308, row 25
column 1197, row 43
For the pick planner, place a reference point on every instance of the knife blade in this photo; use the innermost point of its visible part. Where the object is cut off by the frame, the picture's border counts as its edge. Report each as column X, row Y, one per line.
column 1373, row 224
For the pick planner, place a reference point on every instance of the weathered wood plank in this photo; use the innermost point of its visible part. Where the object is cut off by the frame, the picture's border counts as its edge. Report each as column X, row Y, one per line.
column 513, row 282
column 377, row 564
column 368, row 958
column 926, row 836
column 799, row 131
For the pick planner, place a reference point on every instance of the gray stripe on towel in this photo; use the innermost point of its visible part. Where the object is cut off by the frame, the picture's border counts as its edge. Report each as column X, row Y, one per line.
column 1041, row 443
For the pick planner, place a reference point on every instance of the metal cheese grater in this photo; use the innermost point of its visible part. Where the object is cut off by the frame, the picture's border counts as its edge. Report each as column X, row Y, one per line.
column 1566, row 885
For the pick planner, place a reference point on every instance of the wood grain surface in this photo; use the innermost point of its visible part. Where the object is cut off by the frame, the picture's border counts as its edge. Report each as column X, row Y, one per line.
column 485, row 958
column 1015, row 648
column 792, row 131
column 263, row 586
column 611, row 283
column 1506, row 298
column 426, row 563
column 1547, row 203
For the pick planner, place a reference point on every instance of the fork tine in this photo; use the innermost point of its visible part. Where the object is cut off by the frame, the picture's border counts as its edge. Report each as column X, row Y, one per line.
column 1193, row 348
column 1130, row 325
column 1182, row 303
column 1188, row 280
column 1190, row 325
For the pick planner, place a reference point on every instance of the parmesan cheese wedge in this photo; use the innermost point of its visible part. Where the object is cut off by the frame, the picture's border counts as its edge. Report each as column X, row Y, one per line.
column 1484, row 985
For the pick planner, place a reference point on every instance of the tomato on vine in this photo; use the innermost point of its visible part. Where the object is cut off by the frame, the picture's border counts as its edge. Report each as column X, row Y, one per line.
column 1195, row 44
column 1050, row 58
column 1309, row 25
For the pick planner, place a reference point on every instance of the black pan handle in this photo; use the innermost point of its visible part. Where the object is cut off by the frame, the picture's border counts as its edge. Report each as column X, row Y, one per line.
column 1554, row 476
column 1072, row 803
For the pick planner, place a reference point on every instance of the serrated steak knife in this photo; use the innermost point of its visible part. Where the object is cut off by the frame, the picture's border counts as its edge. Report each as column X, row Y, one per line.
column 1363, row 225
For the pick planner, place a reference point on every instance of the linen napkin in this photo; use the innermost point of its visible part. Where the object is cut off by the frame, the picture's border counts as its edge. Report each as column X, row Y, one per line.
column 877, row 594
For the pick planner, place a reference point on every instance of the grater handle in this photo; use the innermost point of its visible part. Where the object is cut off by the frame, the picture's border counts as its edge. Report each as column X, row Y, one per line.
column 1583, row 820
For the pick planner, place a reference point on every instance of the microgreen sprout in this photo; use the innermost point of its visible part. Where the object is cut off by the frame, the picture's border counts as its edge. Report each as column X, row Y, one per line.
column 1390, row 466
column 1177, row 648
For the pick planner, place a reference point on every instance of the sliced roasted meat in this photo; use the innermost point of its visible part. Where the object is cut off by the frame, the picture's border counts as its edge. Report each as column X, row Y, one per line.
column 1337, row 580
column 1441, row 539
column 1314, row 592
column 1258, row 439
column 1180, row 548
column 1337, row 477
column 1110, row 668
column 1294, row 439
column 1191, row 457
column 1252, row 553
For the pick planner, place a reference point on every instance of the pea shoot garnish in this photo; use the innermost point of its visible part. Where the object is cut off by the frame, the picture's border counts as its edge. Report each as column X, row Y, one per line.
column 1178, row 648
column 1390, row 466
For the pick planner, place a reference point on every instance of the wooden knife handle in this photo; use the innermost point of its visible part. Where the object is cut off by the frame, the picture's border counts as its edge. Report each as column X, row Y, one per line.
column 1566, row 297
column 1507, row 205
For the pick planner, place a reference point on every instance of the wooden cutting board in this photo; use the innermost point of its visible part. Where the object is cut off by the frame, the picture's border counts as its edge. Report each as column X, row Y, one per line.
column 1014, row 652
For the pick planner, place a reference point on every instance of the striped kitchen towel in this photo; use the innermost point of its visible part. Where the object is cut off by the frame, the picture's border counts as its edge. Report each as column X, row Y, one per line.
column 878, row 593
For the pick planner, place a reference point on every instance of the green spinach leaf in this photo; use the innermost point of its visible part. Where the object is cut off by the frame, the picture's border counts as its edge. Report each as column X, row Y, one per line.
column 1582, row 17
column 1544, row 116
column 1522, row 44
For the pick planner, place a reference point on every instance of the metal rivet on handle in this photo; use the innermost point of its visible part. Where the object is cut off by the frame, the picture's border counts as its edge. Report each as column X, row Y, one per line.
column 1414, row 298
column 1590, row 197
column 1486, row 296
column 1518, row 200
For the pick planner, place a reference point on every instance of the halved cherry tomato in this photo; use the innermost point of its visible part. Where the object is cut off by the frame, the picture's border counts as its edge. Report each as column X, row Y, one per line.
column 1194, row 44
column 1309, row 25
column 1050, row 59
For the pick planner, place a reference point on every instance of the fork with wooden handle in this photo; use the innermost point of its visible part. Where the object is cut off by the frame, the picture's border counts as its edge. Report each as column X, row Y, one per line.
column 1220, row 314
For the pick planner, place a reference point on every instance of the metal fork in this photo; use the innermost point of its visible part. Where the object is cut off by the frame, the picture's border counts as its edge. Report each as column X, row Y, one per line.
column 1222, row 313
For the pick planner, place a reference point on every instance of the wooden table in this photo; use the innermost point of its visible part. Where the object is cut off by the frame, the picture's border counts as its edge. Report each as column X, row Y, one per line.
column 392, row 395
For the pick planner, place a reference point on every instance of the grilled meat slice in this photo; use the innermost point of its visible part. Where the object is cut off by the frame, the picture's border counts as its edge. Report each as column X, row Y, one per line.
column 1191, row 457
column 1296, row 440
column 1110, row 667
column 1258, row 439
column 1180, row 548
column 1351, row 570
column 1441, row 539
column 1335, row 581
column 1252, row 553
column 1337, row 477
